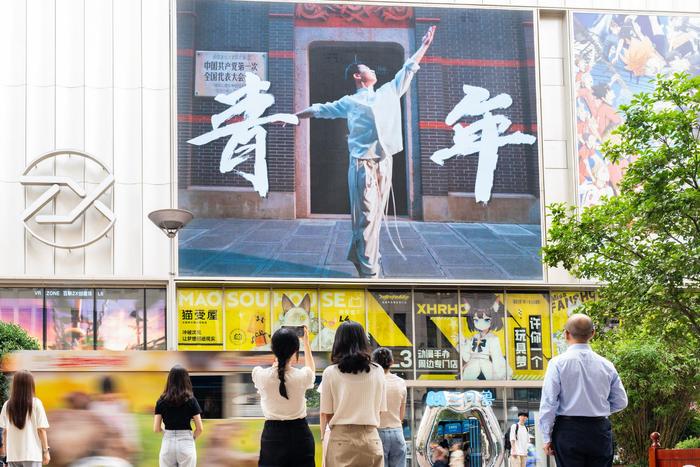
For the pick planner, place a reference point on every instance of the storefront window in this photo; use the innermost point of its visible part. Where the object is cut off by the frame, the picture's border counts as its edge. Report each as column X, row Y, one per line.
column 338, row 306
column 483, row 342
column 437, row 334
column 529, row 333
column 155, row 319
column 120, row 320
column 247, row 319
column 390, row 325
column 24, row 307
column 69, row 319
column 299, row 307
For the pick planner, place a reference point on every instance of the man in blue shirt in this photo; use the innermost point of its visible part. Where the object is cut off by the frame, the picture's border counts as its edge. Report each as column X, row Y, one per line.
column 581, row 389
column 375, row 135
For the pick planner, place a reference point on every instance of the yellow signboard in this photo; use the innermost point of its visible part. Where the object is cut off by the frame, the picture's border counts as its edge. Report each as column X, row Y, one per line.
column 563, row 305
column 338, row 306
column 247, row 319
column 296, row 307
column 530, row 344
column 200, row 319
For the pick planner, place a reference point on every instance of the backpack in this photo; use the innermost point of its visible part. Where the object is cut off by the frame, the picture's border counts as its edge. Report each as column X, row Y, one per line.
column 506, row 440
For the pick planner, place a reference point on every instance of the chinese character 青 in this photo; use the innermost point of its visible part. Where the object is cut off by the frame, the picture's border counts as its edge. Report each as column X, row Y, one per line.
column 247, row 135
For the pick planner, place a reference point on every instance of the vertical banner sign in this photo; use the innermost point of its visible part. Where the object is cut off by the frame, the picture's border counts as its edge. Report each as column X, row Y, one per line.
column 528, row 325
column 563, row 305
column 520, row 342
column 437, row 334
column 296, row 307
column 483, row 343
column 536, row 360
column 200, row 319
column 390, row 325
column 338, row 306
column 247, row 319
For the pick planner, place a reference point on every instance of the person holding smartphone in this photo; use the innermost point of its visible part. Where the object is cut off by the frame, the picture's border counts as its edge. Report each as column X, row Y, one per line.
column 286, row 439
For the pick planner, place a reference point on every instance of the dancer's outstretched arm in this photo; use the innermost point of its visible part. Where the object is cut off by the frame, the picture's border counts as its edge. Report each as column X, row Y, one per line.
column 427, row 40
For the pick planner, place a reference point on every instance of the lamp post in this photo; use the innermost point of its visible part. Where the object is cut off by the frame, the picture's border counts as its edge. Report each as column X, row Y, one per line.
column 170, row 222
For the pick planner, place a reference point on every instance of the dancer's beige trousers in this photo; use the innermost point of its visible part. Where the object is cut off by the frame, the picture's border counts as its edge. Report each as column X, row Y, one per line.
column 369, row 183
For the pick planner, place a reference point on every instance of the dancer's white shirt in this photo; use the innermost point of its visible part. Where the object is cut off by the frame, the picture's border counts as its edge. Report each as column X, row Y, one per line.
column 374, row 117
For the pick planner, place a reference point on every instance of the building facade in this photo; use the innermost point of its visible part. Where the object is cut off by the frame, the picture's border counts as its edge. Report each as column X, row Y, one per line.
column 114, row 109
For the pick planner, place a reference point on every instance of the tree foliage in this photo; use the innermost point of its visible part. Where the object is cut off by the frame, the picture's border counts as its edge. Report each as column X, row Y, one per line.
column 12, row 338
column 643, row 245
column 661, row 384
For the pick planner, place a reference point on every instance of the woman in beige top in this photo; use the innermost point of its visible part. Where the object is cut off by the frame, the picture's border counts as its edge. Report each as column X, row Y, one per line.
column 391, row 421
column 353, row 396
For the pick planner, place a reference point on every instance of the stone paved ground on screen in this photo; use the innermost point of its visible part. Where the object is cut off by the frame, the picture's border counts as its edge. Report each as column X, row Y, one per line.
column 318, row 248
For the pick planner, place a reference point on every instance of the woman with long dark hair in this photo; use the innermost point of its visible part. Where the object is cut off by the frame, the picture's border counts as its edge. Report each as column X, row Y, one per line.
column 24, row 424
column 176, row 409
column 286, row 440
column 391, row 421
column 352, row 398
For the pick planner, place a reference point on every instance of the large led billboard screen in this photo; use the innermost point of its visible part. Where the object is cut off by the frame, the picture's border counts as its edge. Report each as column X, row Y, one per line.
column 330, row 141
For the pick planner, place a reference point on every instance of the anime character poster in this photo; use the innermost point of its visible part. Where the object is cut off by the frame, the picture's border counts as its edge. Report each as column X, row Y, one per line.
column 483, row 344
column 563, row 305
column 615, row 57
column 357, row 141
column 529, row 334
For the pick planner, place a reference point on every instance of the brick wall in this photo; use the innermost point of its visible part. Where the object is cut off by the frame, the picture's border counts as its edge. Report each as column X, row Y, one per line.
column 218, row 25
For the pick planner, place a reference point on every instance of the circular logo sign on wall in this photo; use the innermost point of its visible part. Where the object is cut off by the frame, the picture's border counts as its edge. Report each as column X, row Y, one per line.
column 77, row 197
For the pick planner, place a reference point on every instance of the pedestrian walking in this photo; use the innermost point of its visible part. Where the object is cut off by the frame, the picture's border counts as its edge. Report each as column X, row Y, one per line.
column 24, row 425
column 581, row 389
column 286, row 439
column 519, row 441
column 176, row 409
column 391, row 421
column 352, row 398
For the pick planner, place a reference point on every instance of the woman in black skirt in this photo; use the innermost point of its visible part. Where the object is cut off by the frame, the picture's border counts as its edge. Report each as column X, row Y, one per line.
column 286, row 439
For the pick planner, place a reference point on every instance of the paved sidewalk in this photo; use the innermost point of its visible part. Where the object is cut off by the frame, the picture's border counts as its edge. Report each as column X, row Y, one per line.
column 318, row 248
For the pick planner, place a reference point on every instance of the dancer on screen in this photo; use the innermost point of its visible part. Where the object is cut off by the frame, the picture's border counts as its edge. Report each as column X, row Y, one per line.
column 375, row 135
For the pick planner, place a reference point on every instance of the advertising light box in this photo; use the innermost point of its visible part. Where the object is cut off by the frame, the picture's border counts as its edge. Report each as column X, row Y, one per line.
column 357, row 141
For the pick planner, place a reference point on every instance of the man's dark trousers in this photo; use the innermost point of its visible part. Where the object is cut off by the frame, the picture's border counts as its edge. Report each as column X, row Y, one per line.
column 582, row 442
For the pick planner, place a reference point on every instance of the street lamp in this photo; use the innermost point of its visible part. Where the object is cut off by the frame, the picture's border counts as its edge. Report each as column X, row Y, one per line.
column 170, row 221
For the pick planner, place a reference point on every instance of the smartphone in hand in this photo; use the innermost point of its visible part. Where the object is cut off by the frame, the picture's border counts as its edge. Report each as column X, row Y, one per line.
column 298, row 330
